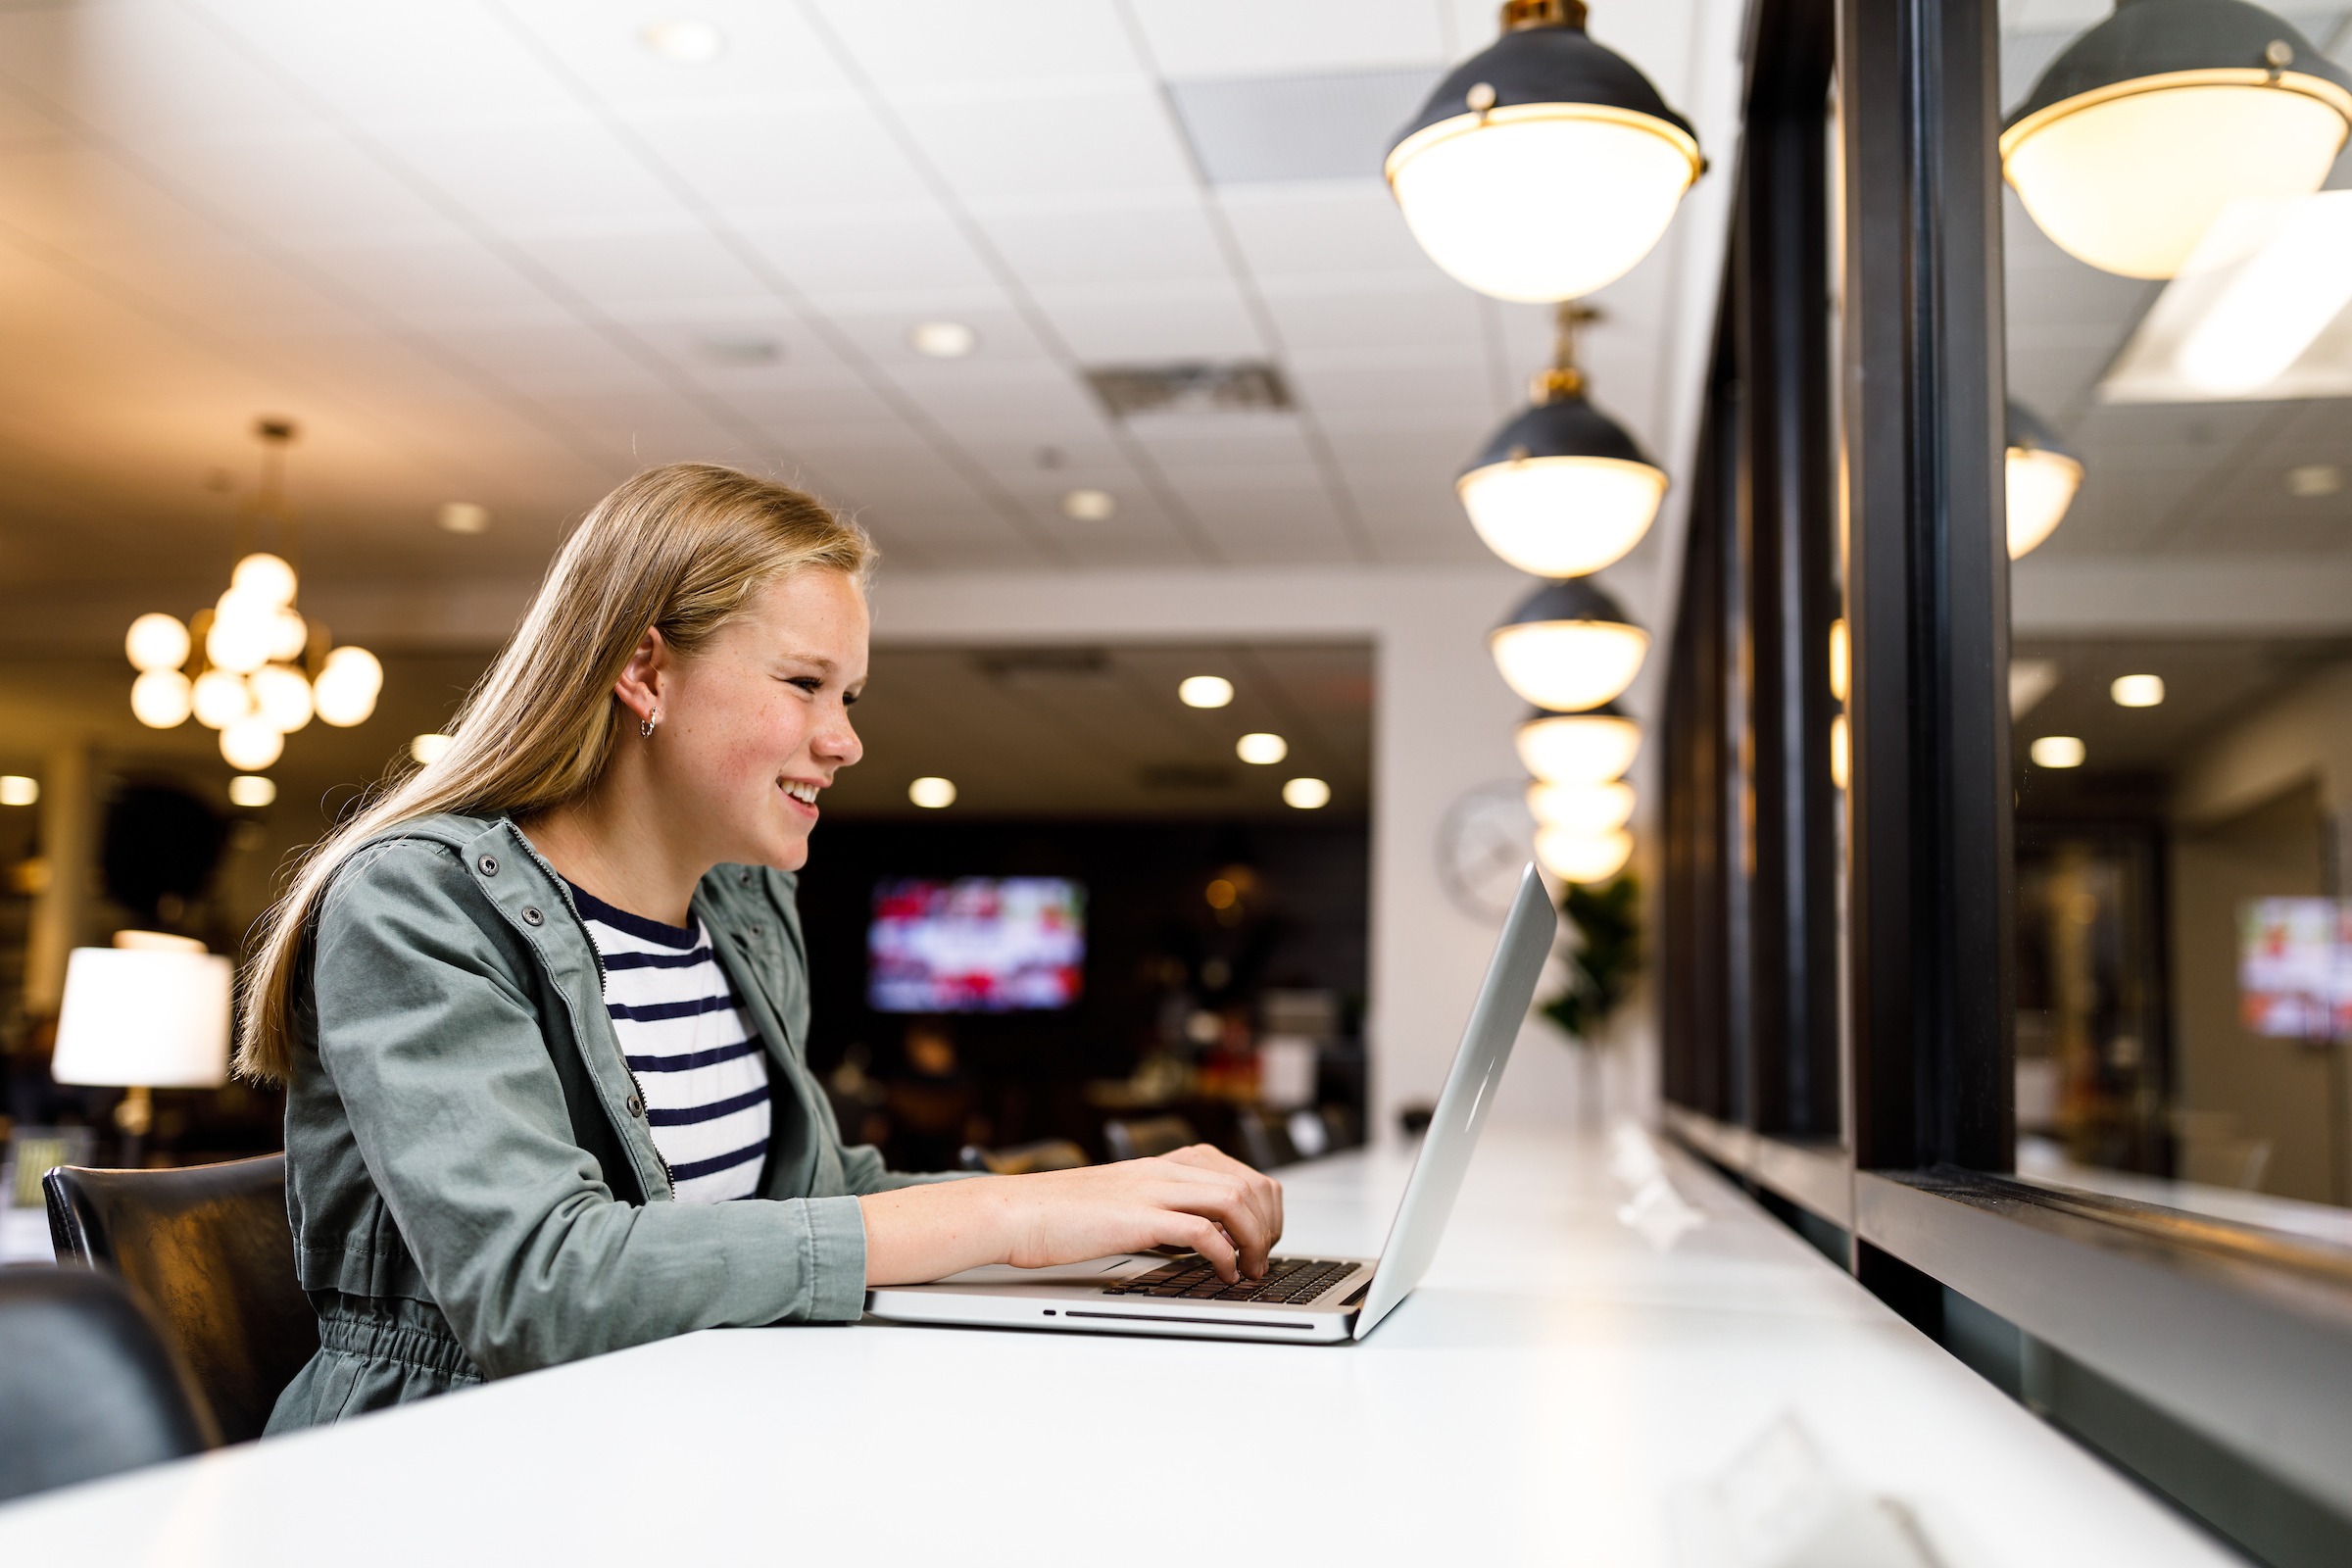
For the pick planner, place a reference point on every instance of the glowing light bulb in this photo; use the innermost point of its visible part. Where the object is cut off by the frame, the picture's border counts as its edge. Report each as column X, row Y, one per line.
column 156, row 642
column 162, row 699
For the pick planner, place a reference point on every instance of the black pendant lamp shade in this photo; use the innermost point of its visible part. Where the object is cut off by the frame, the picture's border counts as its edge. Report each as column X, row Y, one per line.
column 1569, row 646
column 2043, row 476
column 1561, row 490
column 2145, row 128
column 1544, row 165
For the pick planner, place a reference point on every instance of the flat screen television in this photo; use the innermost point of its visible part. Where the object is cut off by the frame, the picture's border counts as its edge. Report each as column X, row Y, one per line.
column 2294, row 967
column 975, row 944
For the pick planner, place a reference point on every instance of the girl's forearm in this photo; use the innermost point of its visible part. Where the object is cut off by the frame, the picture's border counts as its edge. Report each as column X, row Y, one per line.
column 914, row 1234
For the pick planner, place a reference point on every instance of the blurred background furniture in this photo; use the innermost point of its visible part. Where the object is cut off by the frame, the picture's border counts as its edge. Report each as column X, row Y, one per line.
column 1023, row 1160
column 150, row 1011
column 209, row 1250
column 1141, row 1137
column 87, row 1388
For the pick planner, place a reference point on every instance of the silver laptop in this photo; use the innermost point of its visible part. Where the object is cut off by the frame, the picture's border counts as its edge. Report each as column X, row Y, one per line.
column 1301, row 1299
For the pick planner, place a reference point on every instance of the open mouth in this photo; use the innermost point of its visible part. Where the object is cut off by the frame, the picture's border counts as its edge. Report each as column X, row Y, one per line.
column 803, row 793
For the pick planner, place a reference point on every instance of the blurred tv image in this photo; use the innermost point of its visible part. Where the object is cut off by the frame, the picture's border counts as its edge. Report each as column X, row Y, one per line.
column 2294, row 967
column 975, row 945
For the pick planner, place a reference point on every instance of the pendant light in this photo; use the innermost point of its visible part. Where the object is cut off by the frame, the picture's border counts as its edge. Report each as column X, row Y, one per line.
column 1546, row 166
column 2149, row 124
column 251, row 666
column 1583, row 857
column 1588, row 748
column 1569, row 646
column 1563, row 490
column 1588, row 809
column 2042, row 479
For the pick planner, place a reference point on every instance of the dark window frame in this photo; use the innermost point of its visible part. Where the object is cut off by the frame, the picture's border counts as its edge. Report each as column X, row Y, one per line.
column 1893, row 1125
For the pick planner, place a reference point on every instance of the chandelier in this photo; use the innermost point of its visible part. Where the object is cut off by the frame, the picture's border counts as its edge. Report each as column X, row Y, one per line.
column 250, row 665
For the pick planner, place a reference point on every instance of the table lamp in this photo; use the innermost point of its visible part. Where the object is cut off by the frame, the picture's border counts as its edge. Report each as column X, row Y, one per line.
column 151, row 1011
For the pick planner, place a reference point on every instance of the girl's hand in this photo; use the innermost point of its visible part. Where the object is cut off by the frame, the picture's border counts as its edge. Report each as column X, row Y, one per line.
column 1196, row 1198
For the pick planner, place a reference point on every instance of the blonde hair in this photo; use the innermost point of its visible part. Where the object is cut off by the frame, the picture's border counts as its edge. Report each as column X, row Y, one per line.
column 678, row 549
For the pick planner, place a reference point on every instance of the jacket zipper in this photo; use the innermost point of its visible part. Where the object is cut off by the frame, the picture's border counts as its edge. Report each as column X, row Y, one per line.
column 636, row 1086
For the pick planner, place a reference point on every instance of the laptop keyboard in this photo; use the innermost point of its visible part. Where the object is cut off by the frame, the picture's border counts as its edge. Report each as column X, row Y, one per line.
column 1288, row 1282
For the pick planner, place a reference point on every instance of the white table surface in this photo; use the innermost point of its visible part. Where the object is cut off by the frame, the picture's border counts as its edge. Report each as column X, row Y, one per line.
column 1553, row 1392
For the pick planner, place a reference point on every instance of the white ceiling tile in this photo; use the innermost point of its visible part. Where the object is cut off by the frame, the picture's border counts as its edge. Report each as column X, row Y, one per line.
column 768, row 51
column 901, row 249
column 382, row 64
column 134, row 69
column 555, row 176
column 1325, row 229
column 1167, row 239
column 1146, row 326
column 684, row 265
column 1312, row 320
column 1213, row 38
column 1081, row 142
column 786, row 163
column 914, row 44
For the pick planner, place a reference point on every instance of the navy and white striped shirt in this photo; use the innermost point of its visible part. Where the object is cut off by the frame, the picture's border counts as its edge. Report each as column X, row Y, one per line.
column 696, row 1058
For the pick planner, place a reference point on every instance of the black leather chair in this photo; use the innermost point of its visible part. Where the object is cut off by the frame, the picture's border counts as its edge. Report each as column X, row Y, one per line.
column 87, row 1386
column 209, row 1250
column 1144, row 1137
column 1267, row 1141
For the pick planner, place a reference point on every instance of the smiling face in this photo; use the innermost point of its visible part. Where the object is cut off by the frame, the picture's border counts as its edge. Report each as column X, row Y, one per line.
column 757, row 721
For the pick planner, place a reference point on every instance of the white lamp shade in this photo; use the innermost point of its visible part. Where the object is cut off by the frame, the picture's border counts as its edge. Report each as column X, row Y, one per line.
column 1569, row 665
column 250, row 744
column 1578, row 747
column 1576, row 857
column 2129, row 178
column 2041, row 485
column 157, row 641
column 159, row 1019
column 282, row 696
column 159, row 698
column 244, row 626
column 1542, row 200
column 1562, row 517
column 1590, row 810
column 266, row 577
column 347, row 686
column 221, row 699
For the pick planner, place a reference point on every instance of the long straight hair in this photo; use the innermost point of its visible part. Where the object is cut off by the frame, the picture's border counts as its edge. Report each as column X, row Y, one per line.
column 679, row 550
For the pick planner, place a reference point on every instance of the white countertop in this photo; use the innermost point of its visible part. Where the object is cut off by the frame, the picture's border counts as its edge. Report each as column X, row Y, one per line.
column 1559, row 1391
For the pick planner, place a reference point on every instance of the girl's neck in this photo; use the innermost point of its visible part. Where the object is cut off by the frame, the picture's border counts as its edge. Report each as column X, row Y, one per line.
column 610, row 845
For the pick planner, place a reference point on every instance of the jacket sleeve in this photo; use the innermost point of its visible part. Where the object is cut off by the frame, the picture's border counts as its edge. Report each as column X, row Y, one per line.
column 434, row 1046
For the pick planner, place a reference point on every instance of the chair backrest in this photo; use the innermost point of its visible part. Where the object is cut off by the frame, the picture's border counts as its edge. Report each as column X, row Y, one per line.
column 208, row 1250
column 1267, row 1141
column 87, row 1386
column 1023, row 1160
column 1144, row 1137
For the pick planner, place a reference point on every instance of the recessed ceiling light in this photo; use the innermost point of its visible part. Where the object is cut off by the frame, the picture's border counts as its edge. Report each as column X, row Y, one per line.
column 18, row 790
column 2315, row 479
column 2058, row 750
column 1090, row 506
column 428, row 749
column 1262, row 748
column 932, row 793
column 2138, row 691
column 944, row 340
column 688, row 40
column 1204, row 691
column 1307, row 794
column 251, row 790
column 463, row 516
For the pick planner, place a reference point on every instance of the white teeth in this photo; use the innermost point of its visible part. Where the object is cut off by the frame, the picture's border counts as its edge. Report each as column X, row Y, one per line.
column 803, row 793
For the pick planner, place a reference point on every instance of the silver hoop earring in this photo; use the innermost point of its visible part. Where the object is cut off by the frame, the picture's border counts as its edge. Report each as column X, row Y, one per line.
column 644, row 725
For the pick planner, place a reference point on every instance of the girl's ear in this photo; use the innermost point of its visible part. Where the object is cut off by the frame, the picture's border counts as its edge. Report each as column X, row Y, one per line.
column 644, row 677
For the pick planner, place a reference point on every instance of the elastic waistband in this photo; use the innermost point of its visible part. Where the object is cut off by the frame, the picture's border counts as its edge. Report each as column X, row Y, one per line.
column 429, row 1347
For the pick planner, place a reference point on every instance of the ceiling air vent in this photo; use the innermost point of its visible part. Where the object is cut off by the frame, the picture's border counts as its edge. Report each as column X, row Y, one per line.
column 1190, row 387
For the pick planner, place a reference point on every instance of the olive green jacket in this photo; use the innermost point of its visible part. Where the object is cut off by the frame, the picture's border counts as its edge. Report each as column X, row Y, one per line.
column 472, row 1184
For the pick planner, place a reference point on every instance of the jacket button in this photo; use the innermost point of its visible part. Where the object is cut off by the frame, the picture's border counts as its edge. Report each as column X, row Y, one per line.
column 759, row 930
column 489, row 864
column 745, row 878
column 532, row 917
column 636, row 1106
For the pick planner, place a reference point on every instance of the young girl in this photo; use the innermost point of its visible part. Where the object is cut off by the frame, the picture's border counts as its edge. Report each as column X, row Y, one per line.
column 540, row 1010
